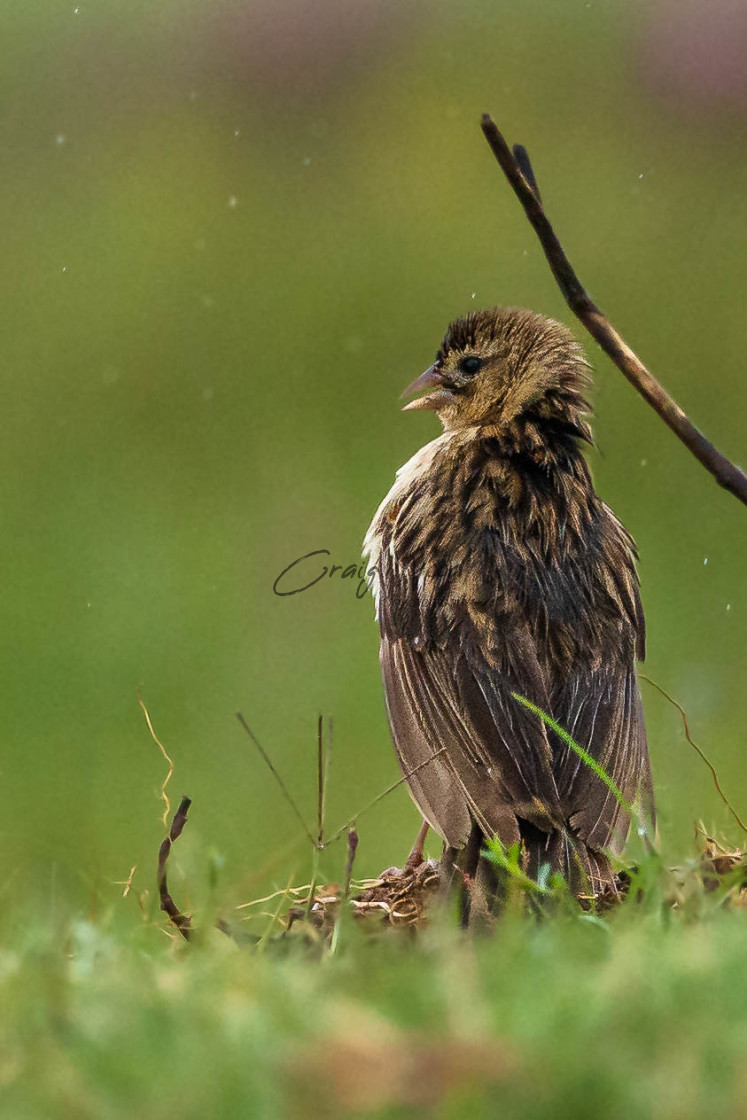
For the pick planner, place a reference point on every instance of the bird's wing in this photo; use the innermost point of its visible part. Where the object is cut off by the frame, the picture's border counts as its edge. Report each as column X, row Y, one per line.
column 599, row 705
column 496, row 764
column 601, row 709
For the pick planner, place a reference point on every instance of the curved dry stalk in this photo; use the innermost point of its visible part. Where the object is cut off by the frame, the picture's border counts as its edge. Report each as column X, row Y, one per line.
column 169, row 762
column 518, row 170
column 698, row 750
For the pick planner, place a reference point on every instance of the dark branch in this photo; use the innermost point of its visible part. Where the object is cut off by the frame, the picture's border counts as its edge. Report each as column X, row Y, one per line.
column 518, row 170
column 182, row 921
column 521, row 155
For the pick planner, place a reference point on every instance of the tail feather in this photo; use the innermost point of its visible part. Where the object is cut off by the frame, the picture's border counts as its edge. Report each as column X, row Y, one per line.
column 481, row 890
column 587, row 871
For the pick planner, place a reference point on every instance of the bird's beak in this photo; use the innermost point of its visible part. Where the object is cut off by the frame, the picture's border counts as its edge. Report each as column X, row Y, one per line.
column 431, row 379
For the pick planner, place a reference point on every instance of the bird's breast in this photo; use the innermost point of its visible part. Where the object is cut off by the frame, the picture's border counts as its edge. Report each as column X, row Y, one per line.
column 409, row 484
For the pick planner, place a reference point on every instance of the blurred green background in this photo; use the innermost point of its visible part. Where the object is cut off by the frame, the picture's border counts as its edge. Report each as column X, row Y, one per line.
column 232, row 233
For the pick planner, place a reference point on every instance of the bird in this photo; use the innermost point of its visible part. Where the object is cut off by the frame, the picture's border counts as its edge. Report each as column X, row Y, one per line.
column 498, row 573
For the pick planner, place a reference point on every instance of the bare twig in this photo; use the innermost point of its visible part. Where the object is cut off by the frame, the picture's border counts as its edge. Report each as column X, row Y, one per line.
column 182, row 921
column 698, row 750
column 517, row 169
column 521, row 155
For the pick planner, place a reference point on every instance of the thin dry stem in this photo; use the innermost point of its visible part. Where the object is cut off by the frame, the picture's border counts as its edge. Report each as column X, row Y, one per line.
column 274, row 917
column 320, row 790
column 271, row 767
column 698, row 750
column 351, row 822
column 127, row 883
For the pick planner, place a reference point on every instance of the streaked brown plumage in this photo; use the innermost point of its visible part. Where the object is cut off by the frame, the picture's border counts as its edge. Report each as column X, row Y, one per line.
column 499, row 570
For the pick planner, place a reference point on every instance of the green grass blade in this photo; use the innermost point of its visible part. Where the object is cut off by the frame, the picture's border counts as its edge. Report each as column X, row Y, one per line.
column 585, row 757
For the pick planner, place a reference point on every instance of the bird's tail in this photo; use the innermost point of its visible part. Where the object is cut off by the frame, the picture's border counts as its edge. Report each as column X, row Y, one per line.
column 483, row 889
column 588, row 872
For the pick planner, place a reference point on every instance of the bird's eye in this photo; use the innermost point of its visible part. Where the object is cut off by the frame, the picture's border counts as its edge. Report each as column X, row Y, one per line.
column 470, row 364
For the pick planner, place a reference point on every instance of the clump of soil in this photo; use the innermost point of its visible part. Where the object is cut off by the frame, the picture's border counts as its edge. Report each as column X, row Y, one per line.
column 399, row 898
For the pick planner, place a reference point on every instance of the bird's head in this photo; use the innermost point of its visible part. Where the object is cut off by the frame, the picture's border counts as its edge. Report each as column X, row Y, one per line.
column 495, row 366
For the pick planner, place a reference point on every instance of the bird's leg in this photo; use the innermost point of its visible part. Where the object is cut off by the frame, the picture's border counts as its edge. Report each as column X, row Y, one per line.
column 468, row 863
column 448, row 871
column 415, row 857
column 484, row 898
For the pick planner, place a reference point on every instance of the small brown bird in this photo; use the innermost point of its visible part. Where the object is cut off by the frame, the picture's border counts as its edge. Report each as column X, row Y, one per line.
column 498, row 570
